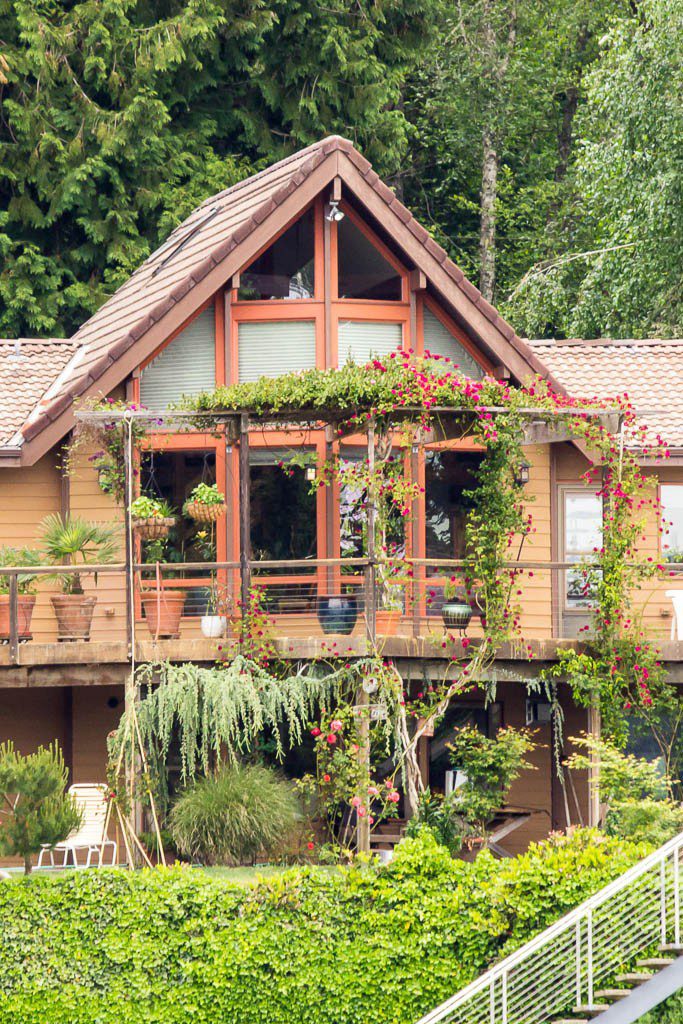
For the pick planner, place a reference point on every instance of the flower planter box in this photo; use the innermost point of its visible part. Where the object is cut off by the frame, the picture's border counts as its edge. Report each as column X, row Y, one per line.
column 202, row 513
column 154, row 527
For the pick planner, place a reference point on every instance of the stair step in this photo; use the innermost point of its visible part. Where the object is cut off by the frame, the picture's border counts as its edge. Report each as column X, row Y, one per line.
column 671, row 948
column 610, row 995
column 591, row 1011
column 635, row 977
column 573, row 1020
column 655, row 961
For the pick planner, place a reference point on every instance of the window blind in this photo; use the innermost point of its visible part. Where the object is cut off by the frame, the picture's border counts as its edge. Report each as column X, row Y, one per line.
column 360, row 340
column 269, row 348
column 440, row 342
column 185, row 367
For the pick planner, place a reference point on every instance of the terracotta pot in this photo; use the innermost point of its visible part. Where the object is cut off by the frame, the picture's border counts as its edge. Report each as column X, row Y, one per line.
column 202, row 513
column 74, row 615
column 153, row 528
column 25, row 604
column 163, row 611
column 386, row 622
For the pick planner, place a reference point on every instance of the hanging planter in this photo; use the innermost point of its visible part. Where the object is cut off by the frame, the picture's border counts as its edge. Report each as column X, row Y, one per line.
column 150, row 518
column 206, row 504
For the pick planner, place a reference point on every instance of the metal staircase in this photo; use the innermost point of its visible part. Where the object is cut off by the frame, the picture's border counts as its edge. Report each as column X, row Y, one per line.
column 616, row 954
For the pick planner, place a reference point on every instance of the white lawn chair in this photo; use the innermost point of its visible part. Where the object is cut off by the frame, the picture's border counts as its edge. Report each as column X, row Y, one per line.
column 93, row 799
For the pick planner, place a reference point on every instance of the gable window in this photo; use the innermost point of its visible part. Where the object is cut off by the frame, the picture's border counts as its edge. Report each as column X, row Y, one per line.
column 185, row 367
column 268, row 348
column 359, row 340
column 582, row 514
column 286, row 270
column 671, row 496
column 364, row 273
column 439, row 341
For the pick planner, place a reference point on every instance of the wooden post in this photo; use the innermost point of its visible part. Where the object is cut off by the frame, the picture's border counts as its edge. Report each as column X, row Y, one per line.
column 594, row 728
column 363, row 702
column 13, row 618
column 128, row 535
column 245, row 516
column 370, row 572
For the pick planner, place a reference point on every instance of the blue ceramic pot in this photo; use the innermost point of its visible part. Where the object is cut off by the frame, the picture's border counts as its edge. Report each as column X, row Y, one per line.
column 337, row 613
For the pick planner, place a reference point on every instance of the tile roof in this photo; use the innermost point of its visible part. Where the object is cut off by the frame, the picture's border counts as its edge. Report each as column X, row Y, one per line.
column 649, row 371
column 28, row 368
column 209, row 235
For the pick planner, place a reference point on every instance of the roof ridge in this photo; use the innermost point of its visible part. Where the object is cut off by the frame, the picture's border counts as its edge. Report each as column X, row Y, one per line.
column 601, row 342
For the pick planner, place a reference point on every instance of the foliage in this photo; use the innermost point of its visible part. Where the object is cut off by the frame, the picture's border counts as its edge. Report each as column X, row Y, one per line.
column 145, row 507
column 491, row 766
column 442, row 816
column 25, row 556
column 35, row 811
column 234, row 815
column 353, row 944
column 205, row 494
column 217, row 713
column 71, row 539
column 120, row 118
column 636, row 792
column 103, row 443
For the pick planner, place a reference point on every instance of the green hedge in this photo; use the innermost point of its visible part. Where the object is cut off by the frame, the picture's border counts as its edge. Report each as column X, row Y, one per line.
column 354, row 947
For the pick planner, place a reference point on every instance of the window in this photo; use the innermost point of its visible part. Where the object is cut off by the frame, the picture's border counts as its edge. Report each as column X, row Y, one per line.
column 185, row 367
column 448, row 476
column 171, row 476
column 582, row 536
column 283, row 510
column 286, row 269
column 359, row 341
column 267, row 348
column 439, row 341
column 363, row 272
column 353, row 514
column 672, row 522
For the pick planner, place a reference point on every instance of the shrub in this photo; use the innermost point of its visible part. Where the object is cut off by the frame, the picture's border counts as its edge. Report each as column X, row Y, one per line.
column 491, row 766
column 347, row 946
column 233, row 815
column 442, row 816
column 36, row 809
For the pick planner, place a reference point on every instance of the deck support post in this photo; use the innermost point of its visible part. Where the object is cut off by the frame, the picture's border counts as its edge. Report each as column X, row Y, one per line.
column 245, row 519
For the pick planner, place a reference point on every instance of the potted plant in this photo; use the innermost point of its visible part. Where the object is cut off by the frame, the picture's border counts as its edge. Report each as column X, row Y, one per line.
column 26, row 599
column 205, row 504
column 456, row 610
column 70, row 540
column 214, row 622
column 337, row 613
column 152, row 518
column 163, row 607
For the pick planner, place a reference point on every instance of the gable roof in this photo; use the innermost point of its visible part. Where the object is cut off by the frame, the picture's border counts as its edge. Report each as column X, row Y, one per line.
column 221, row 236
column 28, row 368
column 648, row 370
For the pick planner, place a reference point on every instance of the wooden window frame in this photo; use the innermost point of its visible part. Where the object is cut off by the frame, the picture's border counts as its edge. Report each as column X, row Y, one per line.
column 563, row 490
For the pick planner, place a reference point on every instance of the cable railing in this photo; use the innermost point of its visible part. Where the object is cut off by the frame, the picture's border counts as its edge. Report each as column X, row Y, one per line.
column 562, row 968
column 314, row 597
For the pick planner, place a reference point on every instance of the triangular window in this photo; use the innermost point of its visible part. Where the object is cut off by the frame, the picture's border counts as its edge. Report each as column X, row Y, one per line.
column 364, row 273
column 286, row 269
column 438, row 341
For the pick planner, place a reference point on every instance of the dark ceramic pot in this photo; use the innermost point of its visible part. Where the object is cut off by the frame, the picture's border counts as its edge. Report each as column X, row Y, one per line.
column 456, row 614
column 337, row 613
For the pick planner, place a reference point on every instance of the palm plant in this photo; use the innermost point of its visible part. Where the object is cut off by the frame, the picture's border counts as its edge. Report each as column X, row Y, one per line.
column 70, row 540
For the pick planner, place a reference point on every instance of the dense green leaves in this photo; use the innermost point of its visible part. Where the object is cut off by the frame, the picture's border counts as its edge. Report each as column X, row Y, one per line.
column 349, row 947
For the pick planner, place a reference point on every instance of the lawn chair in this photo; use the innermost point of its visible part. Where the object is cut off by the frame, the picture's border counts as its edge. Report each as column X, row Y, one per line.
column 93, row 800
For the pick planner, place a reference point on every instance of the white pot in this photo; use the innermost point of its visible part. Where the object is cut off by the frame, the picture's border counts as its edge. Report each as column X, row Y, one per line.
column 213, row 626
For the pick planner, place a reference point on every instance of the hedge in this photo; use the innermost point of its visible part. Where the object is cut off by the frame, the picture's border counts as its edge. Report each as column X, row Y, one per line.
column 355, row 947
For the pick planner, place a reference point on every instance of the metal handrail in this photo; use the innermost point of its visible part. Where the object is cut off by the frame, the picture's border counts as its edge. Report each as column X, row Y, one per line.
column 508, row 995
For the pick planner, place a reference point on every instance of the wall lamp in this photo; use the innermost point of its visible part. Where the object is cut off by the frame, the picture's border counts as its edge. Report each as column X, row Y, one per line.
column 522, row 473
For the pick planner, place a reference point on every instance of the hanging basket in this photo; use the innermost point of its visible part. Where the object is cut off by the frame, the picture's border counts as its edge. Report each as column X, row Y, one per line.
column 154, row 527
column 202, row 513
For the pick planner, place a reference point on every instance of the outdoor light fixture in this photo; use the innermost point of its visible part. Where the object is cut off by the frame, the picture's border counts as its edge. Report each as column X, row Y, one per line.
column 310, row 473
column 522, row 474
column 333, row 212
column 370, row 684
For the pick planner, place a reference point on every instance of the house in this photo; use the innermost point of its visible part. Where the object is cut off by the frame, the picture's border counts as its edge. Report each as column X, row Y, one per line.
column 309, row 263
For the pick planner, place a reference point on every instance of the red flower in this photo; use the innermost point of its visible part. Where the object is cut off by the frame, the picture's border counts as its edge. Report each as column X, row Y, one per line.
column 310, row 846
column 331, row 738
column 315, row 731
column 326, row 778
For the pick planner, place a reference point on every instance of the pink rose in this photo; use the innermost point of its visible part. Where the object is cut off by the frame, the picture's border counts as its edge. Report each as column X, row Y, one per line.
column 336, row 725
column 393, row 797
column 356, row 801
column 331, row 738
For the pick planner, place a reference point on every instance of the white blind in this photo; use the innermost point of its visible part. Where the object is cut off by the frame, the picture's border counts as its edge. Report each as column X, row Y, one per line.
column 185, row 367
column 360, row 340
column 440, row 342
column 269, row 348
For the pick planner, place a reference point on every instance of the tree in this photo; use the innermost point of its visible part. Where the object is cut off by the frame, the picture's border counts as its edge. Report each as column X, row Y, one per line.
column 119, row 117
column 614, row 265
column 36, row 811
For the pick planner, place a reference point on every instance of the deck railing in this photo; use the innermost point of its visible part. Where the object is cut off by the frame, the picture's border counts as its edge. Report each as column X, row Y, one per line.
column 565, row 965
column 403, row 598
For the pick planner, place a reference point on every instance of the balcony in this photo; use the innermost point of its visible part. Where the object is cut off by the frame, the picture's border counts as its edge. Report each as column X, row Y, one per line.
column 398, row 616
